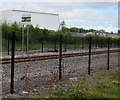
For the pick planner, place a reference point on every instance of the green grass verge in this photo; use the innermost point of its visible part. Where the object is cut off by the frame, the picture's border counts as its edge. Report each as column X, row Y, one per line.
column 96, row 85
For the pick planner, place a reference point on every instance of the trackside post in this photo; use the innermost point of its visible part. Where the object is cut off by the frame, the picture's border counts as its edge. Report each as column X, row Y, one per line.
column 8, row 45
column 12, row 64
column 89, row 61
column 108, row 57
column 60, row 58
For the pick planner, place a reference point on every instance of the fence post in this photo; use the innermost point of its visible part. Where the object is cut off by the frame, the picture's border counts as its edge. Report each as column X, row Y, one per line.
column 65, row 46
column 82, row 42
column 101, row 43
column 8, row 45
column 54, row 43
column 96, row 41
column 60, row 58
column 26, row 42
column 12, row 64
column 42, row 45
column 89, row 61
column 108, row 59
column 74, row 43
column 118, row 44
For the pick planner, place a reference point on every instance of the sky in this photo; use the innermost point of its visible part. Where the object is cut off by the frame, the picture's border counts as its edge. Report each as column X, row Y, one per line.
column 87, row 14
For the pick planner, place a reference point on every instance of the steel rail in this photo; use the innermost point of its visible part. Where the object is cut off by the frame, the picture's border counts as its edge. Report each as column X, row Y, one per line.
column 38, row 58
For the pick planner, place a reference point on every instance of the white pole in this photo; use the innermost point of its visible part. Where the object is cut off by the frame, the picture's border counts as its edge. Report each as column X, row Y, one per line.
column 23, row 39
column 23, row 35
column 27, row 36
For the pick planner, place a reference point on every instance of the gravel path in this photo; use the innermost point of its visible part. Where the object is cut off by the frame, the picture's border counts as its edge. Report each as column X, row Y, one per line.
column 42, row 73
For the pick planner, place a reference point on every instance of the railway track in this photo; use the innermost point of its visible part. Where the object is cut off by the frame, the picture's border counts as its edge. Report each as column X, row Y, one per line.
column 38, row 58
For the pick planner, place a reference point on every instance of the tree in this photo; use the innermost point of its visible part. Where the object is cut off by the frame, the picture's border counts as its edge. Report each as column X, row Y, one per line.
column 65, row 29
column 101, row 30
column 74, row 29
column 111, row 32
column 6, row 31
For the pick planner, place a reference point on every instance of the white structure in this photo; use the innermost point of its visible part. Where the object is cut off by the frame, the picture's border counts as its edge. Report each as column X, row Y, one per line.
column 97, row 33
column 42, row 20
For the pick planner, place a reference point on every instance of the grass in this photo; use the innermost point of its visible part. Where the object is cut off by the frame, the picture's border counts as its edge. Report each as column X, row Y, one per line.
column 96, row 85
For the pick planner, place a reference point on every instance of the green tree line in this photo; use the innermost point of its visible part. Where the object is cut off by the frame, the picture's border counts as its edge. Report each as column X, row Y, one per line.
column 37, row 36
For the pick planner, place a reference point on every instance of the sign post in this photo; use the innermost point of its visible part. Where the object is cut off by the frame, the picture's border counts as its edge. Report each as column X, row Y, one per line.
column 27, row 37
column 23, row 38
column 26, row 20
